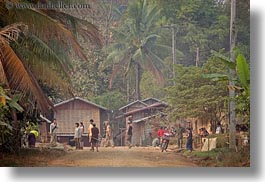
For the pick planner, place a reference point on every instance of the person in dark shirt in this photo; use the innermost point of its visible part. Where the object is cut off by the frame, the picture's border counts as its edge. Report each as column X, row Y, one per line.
column 129, row 134
column 94, row 138
column 189, row 140
column 179, row 133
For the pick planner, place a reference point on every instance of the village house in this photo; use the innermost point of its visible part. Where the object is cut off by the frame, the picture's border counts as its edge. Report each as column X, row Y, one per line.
column 76, row 110
column 143, row 114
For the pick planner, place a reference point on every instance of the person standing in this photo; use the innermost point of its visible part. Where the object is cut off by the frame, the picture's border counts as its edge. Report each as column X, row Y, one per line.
column 53, row 132
column 89, row 131
column 129, row 134
column 33, row 134
column 180, row 131
column 77, row 136
column 219, row 129
column 189, row 140
column 82, row 128
column 109, row 135
column 160, row 134
column 94, row 137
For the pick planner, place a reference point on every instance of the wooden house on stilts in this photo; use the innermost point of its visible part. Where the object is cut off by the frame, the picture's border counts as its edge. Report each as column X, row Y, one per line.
column 76, row 110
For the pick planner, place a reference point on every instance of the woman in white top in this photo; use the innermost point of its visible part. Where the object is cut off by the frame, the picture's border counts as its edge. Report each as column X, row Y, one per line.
column 218, row 129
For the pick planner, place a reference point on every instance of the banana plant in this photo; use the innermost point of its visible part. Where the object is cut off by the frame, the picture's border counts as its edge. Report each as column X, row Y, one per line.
column 242, row 80
column 242, row 72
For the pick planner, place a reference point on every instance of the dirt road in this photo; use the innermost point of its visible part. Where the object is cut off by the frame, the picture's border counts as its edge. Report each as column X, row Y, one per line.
column 122, row 157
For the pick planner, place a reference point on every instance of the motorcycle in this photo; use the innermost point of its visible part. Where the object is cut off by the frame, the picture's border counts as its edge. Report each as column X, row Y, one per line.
column 165, row 141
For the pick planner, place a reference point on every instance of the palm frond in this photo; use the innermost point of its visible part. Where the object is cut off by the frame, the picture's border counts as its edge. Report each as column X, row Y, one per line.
column 3, row 80
column 151, row 17
column 11, row 32
column 47, row 28
column 39, row 48
column 20, row 78
column 152, row 67
column 50, row 78
column 149, row 39
column 116, row 68
column 155, row 58
column 8, row 34
column 77, row 26
column 43, row 70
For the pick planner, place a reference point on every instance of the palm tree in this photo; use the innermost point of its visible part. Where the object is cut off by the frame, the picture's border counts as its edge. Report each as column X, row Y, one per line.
column 136, row 44
column 45, row 40
column 35, row 48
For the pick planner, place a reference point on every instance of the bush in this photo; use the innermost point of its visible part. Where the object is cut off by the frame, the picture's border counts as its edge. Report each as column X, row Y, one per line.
column 221, row 140
column 221, row 157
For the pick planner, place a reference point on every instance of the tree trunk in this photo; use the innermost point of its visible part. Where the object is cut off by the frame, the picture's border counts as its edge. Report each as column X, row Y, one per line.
column 137, row 81
column 128, row 88
column 16, row 130
column 232, row 114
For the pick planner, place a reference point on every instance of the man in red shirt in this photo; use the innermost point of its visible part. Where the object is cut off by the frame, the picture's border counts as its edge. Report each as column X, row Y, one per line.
column 160, row 134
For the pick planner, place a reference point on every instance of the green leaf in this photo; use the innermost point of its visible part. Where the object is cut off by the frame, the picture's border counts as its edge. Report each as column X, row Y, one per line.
column 216, row 76
column 13, row 103
column 227, row 61
column 6, row 124
column 243, row 71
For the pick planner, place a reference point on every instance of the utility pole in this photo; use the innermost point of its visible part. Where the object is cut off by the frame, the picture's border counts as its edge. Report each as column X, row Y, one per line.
column 232, row 112
column 173, row 31
column 173, row 50
column 197, row 56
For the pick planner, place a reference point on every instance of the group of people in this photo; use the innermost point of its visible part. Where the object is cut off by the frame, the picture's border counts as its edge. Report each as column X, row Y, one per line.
column 108, row 135
column 78, row 135
column 174, row 132
column 93, row 135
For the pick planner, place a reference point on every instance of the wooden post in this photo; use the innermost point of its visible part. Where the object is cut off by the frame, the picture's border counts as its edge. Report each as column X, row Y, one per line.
column 197, row 57
column 232, row 114
column 173, row 52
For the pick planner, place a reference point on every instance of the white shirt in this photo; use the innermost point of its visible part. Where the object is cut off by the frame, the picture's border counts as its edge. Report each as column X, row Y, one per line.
column 52, row 128
column 77, row 132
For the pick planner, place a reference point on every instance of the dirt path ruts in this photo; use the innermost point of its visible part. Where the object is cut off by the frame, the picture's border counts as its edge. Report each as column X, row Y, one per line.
column 122, row 157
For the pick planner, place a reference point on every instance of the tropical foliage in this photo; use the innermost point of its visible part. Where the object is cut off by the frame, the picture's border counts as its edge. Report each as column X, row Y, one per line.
column 242, row 86
column 194, row 96
column 136, row 44
column 40, row 55
column 32, row 56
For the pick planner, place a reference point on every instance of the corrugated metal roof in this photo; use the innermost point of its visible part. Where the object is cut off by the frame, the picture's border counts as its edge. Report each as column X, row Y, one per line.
column 151, row 98
column 157, row 104
column 137, row 101
column 143, row 119
column 78, row 98
column 145, row 108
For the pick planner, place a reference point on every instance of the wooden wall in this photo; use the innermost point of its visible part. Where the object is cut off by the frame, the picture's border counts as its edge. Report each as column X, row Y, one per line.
column 75, row 111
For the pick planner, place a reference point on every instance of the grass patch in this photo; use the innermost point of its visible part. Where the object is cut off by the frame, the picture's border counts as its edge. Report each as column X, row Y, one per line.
column 30, row 157
column 220, row 157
